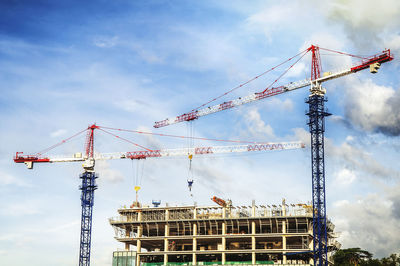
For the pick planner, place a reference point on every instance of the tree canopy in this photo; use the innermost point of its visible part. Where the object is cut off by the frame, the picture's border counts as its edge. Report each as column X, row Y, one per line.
column 359, row 257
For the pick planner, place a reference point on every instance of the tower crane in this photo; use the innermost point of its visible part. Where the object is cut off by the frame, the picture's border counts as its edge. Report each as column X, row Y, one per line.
column 89, row 177
column 316, row 123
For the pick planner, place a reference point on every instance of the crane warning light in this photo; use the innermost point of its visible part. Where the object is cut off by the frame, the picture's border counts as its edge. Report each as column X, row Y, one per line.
column 373, row 68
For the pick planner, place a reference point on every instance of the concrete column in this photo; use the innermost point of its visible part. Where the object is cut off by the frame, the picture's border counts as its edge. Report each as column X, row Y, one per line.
column 195, row 229
column 166, row 229
column 165, row 259
column 140, row 231
column 224, row 212
column 194, row 259
column 253, row 208
column 140, row 217
column 165, row 244
column 167, row 214
column 223, row 255
column 127, row 234
column 284, row 239
column 253, row 242
column 137, row 259
column 194, row 244
column 195, row 213
column 165, row 250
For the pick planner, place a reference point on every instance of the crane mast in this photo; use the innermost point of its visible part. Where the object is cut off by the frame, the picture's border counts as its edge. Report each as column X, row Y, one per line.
column 87, row 199
column 316, row 123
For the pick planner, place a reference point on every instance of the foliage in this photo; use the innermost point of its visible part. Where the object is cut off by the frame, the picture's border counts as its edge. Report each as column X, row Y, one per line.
column 359, row 257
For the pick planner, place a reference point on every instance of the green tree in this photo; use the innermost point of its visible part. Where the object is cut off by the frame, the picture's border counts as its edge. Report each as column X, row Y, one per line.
column 351, row 257
column 392, row 260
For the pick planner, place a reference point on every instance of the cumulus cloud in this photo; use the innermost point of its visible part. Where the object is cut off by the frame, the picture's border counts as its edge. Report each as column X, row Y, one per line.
column 108, row 174
column 371, row 222
column 256, row 126
column 151, row 140
column 372, row 107
column 352, row 160
column 345, row 176
column 365, row 21
column 275, row 18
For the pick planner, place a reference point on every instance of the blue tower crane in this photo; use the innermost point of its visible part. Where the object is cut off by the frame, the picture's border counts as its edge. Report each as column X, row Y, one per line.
column 89, row 176
column 316, row 123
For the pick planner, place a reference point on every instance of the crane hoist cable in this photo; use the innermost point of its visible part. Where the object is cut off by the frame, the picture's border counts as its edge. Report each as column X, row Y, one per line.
column 138, row 177
column 190, row 181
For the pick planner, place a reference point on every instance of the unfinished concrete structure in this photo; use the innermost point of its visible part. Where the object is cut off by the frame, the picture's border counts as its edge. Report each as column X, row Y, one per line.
column 191, row 235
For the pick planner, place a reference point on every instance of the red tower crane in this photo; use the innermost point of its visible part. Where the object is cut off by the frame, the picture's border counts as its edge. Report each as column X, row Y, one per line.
column 90, row 157
column 316, row 125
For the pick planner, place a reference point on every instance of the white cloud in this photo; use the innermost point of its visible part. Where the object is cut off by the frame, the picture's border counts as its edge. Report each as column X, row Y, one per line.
column 21, row 208
column 147, row 54
column 274, row 18
column 58, row 133
column 340, row 203
column 256, row 126
column 372, row 107
column 7, row 179
column 350, row 138
column 108, row 174
column 298, row 70
column 105, row 41
column 369, row 223
column 350, row 159
column 345, row 176
column 355, row 159
column 365, row 21
column 64, row 226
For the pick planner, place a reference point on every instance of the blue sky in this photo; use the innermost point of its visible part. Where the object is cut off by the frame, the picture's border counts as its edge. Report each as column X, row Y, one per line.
column 127, row 64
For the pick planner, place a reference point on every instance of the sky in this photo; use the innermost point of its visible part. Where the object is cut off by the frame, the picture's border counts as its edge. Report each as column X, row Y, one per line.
column 65, row 65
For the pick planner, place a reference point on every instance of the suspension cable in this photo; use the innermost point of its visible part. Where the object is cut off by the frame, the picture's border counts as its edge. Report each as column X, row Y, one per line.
column 59, row 143
column 285, row 72
column 119, row 137
column 178, row 136
column 250, row 80
column 342, row 53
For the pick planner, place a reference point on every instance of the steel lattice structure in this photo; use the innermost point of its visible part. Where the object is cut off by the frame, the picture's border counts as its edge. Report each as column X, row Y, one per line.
column 316, row 124
column 87, row 199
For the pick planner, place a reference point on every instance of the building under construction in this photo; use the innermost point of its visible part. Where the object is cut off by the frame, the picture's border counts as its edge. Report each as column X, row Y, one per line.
column 217, row 235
